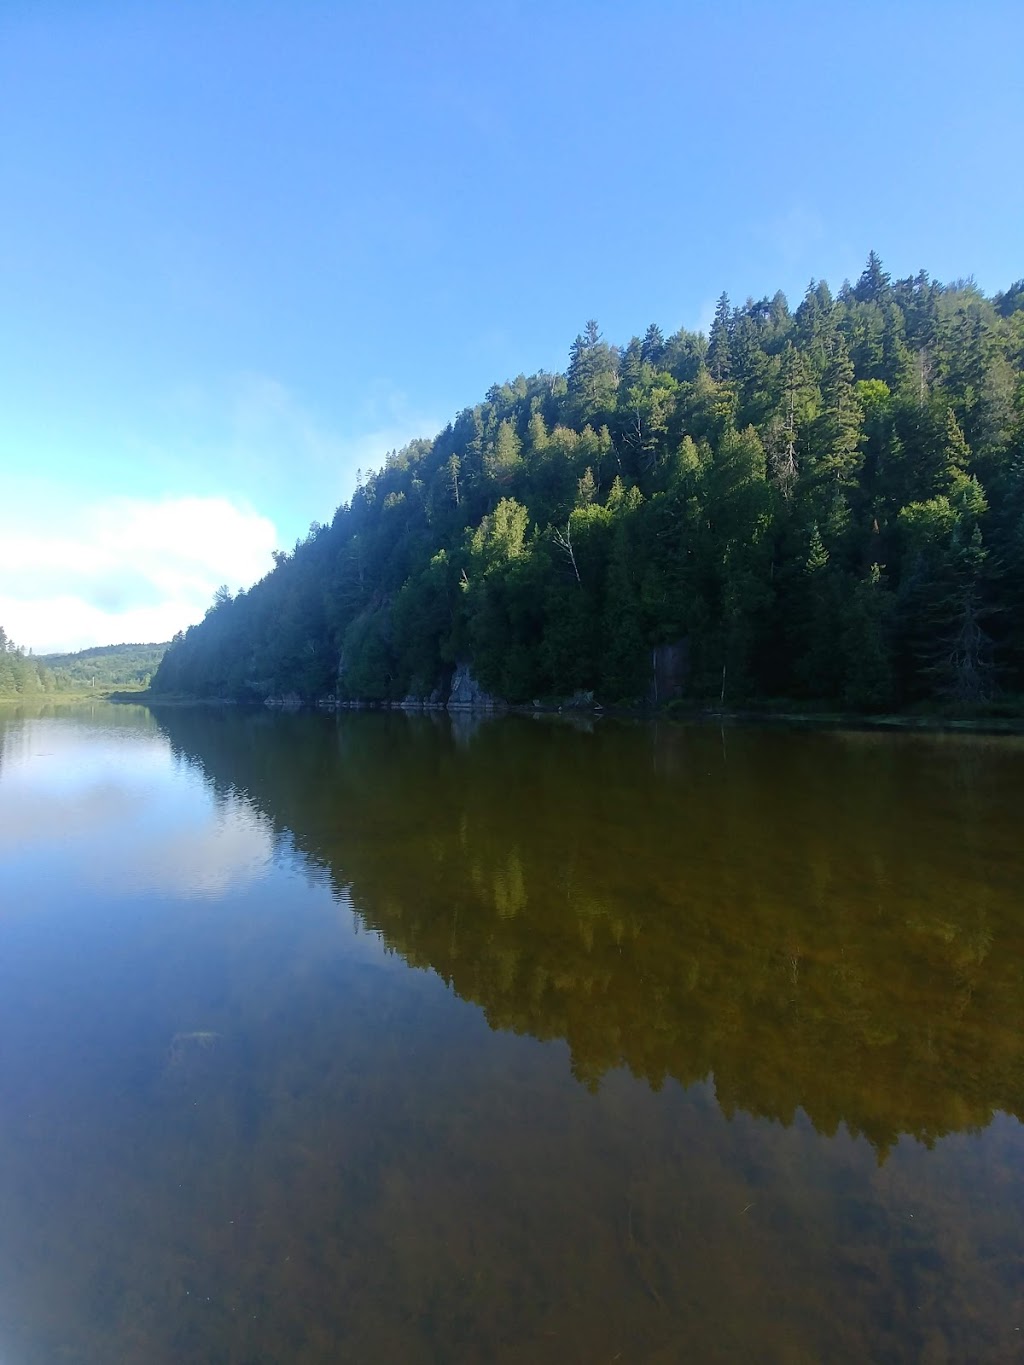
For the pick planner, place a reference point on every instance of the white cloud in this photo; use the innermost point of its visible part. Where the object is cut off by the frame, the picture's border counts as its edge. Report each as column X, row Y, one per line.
column 124, row 568
column 100, row 570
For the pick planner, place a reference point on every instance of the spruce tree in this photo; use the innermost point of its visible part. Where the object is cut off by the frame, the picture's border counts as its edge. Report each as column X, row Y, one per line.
column 719, row 341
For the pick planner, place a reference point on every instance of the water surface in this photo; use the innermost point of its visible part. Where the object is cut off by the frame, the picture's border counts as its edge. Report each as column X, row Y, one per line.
column 383, row 1038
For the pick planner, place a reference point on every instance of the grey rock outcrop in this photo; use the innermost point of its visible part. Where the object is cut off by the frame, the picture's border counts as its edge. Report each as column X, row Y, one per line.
column 466, row 693
column 670, row 668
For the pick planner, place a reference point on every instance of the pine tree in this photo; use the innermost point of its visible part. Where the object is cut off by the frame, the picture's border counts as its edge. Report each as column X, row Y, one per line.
column 874, row 283
column 593, row 372
column 719, row 341
column 815, row 326
column 798, row 402
column 839, row 428
column 505, row 457
column 631, row 368
column 866, row 653
column 653, row 346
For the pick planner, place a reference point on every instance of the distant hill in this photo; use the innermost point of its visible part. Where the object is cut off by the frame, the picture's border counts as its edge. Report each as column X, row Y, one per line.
column 105, row 666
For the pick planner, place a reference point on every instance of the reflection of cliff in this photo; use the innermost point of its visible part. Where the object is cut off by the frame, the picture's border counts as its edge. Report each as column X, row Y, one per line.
column 820, row 920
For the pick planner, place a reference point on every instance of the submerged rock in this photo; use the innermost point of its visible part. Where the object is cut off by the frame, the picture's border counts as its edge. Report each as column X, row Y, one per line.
column 188, row 1052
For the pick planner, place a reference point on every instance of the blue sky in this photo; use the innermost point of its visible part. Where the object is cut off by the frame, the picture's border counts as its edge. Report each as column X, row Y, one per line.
column 247, row 248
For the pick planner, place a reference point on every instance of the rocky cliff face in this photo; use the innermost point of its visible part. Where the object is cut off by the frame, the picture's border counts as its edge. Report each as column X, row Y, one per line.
column 433, row 701
column 670, row 667
column 466, row 693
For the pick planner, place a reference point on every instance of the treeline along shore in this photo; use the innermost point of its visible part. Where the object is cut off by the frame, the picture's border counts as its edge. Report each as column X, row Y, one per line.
column 26, row 676
column 823, row 506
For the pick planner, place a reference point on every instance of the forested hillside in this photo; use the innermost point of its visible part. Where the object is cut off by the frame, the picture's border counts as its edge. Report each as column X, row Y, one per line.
column 825, row 504
column 105, row 666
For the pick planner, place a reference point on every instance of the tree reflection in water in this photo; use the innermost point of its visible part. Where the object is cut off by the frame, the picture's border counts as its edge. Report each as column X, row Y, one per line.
column 825, row 921
column 818, row 936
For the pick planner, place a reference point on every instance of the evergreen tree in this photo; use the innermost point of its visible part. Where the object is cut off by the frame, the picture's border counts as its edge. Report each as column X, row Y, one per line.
column 873, row 284
column 866, row 654
column 653, row 347
column 593, row 372
column 839, row 429
column 719, row 341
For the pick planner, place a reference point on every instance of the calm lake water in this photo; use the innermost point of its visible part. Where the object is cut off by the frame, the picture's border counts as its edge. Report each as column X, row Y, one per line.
column 402, row 1039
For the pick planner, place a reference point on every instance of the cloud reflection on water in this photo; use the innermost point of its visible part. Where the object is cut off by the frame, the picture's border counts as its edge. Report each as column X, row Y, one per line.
column 64, row 799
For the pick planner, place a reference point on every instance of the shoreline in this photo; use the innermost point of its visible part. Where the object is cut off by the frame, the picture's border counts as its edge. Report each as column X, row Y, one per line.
column 673, row 713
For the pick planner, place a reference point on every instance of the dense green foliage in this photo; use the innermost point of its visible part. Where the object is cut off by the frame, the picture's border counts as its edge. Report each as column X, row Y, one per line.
column 820, row 504
column 105, row 666
column 21, row 675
